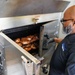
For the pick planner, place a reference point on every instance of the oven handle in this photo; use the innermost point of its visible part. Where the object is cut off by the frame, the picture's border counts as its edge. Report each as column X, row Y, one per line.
column 32, row 58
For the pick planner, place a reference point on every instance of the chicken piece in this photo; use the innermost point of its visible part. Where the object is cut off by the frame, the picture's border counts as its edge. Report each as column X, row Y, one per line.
column 33, row 46
column 24, row 41
column 20, row 44
column 17, row 40
column 35, row 38
column 27, row 49
column 29, row 37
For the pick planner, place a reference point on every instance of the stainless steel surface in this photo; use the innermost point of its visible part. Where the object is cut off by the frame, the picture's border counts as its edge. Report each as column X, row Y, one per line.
column 2, row 60
column 9, row 8
column 28, row 55
column 65, row 0
column 41, row 41
column 12, row 22
column 13, row 53
column 50, row 30
column 13, row 62
column 44, row 10
column 47, row 54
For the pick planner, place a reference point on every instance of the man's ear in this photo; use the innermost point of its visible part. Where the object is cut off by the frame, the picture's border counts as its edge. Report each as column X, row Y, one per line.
column 74, row 24
column 73, row 27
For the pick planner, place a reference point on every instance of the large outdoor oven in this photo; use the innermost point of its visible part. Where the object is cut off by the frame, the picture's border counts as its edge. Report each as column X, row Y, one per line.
column 31, row 41
column 35, row 37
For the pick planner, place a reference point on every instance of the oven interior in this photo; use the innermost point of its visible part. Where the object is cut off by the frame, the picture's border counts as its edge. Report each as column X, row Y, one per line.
column 31, row 32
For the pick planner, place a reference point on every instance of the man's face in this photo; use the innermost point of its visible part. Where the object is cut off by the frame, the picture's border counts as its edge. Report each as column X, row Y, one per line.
column 68, row 24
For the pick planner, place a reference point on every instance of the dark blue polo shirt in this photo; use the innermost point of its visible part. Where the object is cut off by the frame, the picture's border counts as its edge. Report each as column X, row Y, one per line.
column 63, row 59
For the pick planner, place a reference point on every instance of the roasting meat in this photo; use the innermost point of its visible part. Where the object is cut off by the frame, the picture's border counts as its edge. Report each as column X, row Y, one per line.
column 17, row 40
column 29, row 39
column 20, row 44
column 28, row 43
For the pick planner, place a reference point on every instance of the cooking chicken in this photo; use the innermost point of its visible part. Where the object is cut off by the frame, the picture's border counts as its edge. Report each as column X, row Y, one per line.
column 28, row 43
column 29, row 39
column 17, row 40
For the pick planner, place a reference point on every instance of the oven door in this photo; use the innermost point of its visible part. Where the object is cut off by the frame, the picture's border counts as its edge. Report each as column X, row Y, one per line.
column 12, row 53
column 47, row 32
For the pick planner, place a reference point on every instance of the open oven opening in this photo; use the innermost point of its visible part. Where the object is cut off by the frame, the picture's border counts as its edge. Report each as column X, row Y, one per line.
column 26, row 36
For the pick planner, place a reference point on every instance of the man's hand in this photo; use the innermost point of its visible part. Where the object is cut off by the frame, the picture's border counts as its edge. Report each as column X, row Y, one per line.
column 57, row 40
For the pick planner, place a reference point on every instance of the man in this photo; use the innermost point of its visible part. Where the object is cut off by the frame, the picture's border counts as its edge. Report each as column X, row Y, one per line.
column 63, row 59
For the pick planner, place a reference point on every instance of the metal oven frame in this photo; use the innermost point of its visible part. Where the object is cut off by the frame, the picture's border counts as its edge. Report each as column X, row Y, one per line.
column 11, row 51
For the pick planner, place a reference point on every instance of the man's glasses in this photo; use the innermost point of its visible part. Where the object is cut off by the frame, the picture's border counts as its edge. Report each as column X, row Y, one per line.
column 64, row 20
